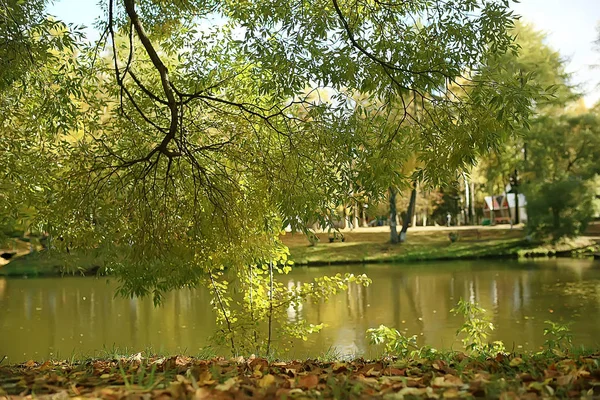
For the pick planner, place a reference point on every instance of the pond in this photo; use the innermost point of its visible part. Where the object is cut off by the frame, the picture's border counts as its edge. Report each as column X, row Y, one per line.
column 63, row 317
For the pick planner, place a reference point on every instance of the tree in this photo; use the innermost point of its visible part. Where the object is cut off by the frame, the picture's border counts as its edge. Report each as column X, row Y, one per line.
column 192, row 142
column 38, row 76
column 544, row 69
column 561, row 168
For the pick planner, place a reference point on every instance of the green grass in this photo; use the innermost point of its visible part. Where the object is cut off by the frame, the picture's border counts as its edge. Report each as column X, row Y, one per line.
column 375, row 247
column 51, row 264
column 361, row 247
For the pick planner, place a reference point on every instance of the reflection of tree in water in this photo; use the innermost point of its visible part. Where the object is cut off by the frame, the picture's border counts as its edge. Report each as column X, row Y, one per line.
column 356, row 300
column 411, row 295
column 133, row 318
column 294, row 310
column 2, row 288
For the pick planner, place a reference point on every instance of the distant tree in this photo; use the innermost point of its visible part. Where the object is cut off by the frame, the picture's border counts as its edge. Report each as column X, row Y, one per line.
column 544, row 69
column 561, row 166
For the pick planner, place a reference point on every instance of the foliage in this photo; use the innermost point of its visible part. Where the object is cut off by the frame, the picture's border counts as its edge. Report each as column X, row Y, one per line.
column 559, row 209
column 561, row 167
column 559, row 337
column 29, row 40
column 39, row 83
column 173, row 180
column 476, row 328
column 395, row 342
column 179, row 147
column 248, row 324
column 545, row 70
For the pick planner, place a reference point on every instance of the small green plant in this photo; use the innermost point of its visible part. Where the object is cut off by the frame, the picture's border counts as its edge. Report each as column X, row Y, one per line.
column 395, row 342
column 476, row 328
column 559, row 337
column 141, row 378
column 453, row 236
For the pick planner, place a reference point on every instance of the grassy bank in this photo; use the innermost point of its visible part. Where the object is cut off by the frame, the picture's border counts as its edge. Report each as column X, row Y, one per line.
column 443, row 375
column 365, row 246
column 45, row 263
column 375, row 247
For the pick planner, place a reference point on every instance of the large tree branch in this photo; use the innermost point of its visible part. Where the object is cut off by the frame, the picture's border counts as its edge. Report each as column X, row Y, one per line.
column 164, row 78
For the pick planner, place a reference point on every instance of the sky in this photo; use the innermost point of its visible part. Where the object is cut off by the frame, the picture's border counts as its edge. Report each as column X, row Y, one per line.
column 569, row 24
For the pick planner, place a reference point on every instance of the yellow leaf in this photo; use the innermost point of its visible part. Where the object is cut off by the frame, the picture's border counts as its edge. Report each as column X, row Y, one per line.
column 227, row 385
column 451, row 393
column 515, row 362
column 266, row 381
column 558, row 352
column 202, row 393
column 205, row 378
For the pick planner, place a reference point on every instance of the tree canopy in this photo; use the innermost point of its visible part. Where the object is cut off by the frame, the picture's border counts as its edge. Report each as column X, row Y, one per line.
column 182, row 142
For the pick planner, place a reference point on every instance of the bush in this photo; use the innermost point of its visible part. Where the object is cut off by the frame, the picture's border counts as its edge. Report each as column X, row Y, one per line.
column 559, row 209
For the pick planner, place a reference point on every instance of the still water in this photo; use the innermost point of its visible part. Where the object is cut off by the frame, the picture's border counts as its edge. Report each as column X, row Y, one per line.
column 60, row 317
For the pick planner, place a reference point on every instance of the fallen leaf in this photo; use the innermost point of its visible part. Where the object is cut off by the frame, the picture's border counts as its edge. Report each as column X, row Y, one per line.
column 515, row 362
column 410, row 391
column 447, row 381
column 308, row 381
column 394, row 371
column 339, row 367
column 201, row 393
column 227, row 385
column 266, row 381
column 451, row 393
column 205, row 378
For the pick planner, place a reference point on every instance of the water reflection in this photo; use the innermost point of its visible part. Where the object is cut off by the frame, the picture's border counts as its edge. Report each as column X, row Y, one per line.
column 42, row 318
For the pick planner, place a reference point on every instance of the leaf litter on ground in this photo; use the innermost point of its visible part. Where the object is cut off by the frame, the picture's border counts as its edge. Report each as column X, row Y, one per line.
column 454, row 375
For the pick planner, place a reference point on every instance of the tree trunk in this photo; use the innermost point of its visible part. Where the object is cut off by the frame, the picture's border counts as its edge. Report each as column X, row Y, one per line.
column 467, row 210
column 472, row 214
column 555, row 221
column 393, row 215
column 409, row 212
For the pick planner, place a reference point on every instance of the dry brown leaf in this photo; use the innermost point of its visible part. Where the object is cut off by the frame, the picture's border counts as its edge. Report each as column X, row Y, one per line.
column 394, row 371
column 259, row 363
column 205, row 378
column 308, row 381
column 447, row 381
column 339, row 367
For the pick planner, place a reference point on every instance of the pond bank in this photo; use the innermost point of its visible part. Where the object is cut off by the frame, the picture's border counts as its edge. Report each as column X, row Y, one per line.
column 444, row 375
column 375, row 247
column 45, row 264
column 360, row 247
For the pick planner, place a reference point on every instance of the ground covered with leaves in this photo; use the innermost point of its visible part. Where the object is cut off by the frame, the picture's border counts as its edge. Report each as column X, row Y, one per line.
column 447, row 376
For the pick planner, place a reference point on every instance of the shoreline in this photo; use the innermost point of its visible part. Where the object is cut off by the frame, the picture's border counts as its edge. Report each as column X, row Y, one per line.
column 358, row 248
column 374, row 248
